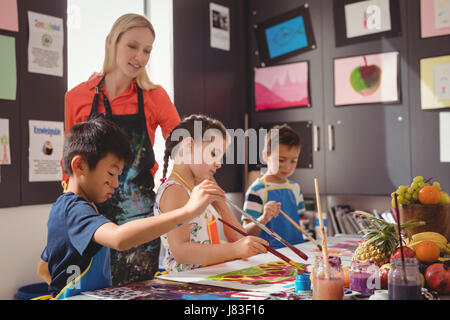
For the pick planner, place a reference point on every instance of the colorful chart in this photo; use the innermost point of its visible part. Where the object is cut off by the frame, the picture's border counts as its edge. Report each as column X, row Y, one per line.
column 269, row 273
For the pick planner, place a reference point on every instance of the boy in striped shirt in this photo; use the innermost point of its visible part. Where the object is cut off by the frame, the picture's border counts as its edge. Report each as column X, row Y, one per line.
column 274, row 191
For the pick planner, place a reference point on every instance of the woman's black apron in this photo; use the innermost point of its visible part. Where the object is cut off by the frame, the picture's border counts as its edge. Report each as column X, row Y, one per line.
column 134, row 198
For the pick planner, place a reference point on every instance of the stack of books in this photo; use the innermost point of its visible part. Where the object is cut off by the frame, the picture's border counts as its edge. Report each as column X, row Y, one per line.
column 342, row 219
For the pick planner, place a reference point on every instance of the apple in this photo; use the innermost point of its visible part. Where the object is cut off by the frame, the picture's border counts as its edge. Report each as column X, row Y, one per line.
column 384, row 274
column 437, row 277
column 407, row 253
column 366, row 79
column 445, row 198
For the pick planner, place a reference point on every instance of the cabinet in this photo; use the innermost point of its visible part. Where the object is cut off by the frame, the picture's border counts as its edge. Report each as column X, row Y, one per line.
column 362, row 149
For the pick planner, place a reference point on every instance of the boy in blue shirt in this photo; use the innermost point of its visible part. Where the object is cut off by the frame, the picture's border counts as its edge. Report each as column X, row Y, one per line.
column 274, row 191
column 76, row 257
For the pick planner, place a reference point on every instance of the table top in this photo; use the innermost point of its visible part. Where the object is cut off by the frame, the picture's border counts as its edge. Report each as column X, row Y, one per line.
column 197, row 284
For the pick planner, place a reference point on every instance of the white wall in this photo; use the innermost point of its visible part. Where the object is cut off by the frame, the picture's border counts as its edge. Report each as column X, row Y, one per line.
column 23, row 235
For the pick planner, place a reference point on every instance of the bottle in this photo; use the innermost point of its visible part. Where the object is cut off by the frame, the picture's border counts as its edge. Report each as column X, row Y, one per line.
column 397, row 287
column 303, row 284
column 364, row 277
column 332, row 288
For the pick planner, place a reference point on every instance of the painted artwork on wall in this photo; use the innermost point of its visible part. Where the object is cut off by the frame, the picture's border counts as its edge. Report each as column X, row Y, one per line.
column 435, row 82
column 357, row 21
column 435, row 18
column 282, row 86
column 284, row 35
column 367, row 79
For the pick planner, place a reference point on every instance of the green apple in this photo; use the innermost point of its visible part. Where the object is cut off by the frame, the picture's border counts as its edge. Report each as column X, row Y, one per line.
column 445, row 198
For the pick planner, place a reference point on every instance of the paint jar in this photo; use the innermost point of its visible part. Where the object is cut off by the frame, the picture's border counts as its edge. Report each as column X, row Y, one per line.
column 331, row 288
column 363, row 276
column 303, row 283
column 404, row 284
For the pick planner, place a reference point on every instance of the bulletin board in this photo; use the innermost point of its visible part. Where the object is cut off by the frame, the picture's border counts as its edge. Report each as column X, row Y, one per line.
column 37, row 97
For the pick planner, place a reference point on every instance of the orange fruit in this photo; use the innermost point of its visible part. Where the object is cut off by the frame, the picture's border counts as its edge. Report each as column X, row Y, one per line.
column 427, row 251
column 429, row 195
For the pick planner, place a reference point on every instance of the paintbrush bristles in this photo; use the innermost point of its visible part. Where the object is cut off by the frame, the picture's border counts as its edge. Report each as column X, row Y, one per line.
column 326, row 264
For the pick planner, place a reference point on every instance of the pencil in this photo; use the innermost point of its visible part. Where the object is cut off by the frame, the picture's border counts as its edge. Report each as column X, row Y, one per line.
column 271, row 250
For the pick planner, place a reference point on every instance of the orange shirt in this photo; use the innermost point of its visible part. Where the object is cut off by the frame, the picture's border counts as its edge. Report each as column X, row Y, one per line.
column 159, row 110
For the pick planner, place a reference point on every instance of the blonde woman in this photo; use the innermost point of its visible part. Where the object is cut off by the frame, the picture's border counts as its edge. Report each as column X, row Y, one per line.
column 124, row 94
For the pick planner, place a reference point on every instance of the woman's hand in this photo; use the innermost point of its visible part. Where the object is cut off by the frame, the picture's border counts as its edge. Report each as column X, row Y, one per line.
column 271, row 210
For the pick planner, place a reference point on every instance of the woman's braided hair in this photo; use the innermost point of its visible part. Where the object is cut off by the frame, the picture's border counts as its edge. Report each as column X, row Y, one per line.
column 188, row 123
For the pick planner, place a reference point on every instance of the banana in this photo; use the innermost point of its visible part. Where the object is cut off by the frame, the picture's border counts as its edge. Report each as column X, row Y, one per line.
column 434, row 236
column 442, row 246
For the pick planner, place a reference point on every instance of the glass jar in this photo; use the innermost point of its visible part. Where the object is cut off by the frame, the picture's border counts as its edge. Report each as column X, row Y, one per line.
column 363, row 277
column 401, row 287
column 332, row 288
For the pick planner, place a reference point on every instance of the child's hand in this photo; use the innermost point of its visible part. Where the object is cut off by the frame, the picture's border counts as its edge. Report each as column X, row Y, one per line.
column 271, row 210
column 249, row 246
column 202, row 195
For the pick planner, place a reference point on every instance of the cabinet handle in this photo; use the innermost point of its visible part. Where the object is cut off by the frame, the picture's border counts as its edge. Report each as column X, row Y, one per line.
column 330, row 137
column 316, row 138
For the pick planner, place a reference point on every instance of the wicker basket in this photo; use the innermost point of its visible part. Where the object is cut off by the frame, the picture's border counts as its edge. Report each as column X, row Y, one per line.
column 436, row 216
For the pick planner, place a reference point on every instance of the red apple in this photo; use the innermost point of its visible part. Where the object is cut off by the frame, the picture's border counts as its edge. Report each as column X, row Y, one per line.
column 407, row 253
column 384, row 272
column 437, row 277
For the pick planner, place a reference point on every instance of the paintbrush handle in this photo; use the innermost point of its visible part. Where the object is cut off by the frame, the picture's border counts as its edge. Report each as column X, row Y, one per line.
column 270, row 232
column 271, row 250
column 301, row 229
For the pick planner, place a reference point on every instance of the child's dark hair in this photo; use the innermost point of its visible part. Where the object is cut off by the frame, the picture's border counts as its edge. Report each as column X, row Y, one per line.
column 188, row 123
column 93, row 140
column 285, row 136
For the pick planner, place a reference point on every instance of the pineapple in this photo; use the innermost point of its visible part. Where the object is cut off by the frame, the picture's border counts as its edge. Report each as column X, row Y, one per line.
column 380, row 239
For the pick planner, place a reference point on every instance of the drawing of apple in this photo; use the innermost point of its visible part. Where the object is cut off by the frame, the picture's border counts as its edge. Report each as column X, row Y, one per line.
column 366, row 79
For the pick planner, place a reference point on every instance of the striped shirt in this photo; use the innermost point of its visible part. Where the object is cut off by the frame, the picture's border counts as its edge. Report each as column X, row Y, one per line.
column 256, row 197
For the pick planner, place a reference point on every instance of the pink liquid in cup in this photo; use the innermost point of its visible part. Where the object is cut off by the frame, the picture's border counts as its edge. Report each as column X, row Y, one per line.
column 328, row 289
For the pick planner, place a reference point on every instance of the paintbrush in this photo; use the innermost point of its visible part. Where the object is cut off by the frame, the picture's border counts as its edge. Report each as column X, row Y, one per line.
column 301, row 230
column 271, row 250
column 270, row 232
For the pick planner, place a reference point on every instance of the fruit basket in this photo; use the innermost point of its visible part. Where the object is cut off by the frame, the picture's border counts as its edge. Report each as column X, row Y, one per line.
column 436, row 216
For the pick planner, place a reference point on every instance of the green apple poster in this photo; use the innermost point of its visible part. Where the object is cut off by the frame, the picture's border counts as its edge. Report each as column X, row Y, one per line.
column 366, row 79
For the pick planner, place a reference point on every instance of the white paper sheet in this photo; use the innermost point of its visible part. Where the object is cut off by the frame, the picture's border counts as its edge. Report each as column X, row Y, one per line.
column 45, row 44
column 219, row 26
column 45, row 150
column 444, row 136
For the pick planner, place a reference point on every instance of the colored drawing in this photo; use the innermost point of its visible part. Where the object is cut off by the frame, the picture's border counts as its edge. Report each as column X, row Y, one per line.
column 434, row 82
column 269, row 273
column 166, row 290
column 435, row 18
column 345, row 248
column 366, row 79
column 282, row 86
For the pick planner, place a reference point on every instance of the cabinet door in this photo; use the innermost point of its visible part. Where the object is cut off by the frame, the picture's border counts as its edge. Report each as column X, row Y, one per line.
column 368, row 146
column 425, row 126
column 259, row 11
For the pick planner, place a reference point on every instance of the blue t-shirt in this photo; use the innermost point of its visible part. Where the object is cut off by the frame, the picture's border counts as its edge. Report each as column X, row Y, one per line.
column 71, row 225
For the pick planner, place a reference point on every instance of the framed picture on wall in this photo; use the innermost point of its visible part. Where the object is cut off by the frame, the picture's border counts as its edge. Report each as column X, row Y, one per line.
column 284, row 35
column 435, row 82
column 367, row 79
column 357, row 21
column 282, row 86
column 434, row 18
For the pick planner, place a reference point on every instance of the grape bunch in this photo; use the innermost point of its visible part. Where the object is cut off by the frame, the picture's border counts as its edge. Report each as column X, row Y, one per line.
column 410, row 194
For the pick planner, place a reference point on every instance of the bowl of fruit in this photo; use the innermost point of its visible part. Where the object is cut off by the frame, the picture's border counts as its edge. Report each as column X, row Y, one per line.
column 424, row 200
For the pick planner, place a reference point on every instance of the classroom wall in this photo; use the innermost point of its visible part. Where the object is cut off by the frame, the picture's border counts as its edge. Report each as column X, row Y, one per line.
column 23, row 234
